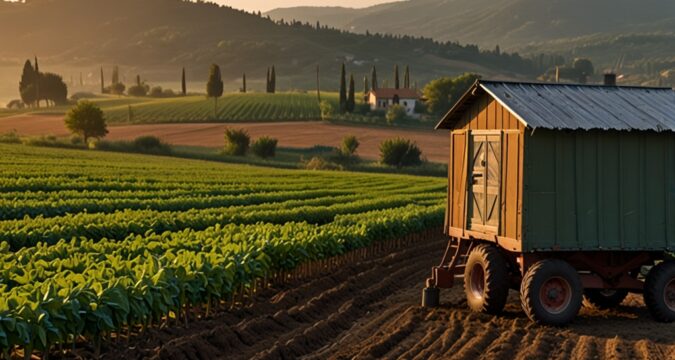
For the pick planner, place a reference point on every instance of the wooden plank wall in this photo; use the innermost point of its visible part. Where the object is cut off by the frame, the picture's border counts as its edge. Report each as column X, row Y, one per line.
column 487, row 114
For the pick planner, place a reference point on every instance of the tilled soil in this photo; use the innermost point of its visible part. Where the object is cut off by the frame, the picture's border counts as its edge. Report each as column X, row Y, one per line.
column 305, row 134
column 371, row 310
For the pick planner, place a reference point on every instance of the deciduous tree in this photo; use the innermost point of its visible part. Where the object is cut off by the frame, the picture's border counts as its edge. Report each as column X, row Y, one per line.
column 87, row 120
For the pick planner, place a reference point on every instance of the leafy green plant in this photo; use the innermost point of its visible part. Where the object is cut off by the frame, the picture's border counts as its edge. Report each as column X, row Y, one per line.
column 265, row 147
column 396, row 114
column 236, row 142
column 400, row 152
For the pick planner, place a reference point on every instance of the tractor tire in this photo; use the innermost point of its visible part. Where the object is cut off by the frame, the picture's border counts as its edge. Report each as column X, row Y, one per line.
column 659, row 292
column 486, row 280
column 603, row 299
column 551, row 292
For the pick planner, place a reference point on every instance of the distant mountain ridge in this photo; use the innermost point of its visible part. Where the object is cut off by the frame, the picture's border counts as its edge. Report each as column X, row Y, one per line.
column 509, row 23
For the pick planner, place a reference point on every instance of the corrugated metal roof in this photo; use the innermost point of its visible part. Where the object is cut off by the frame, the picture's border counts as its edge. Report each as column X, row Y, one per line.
column 572, row 106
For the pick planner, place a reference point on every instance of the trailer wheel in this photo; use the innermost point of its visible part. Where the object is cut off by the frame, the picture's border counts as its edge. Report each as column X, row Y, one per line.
column 551, row 292
column 486, row 281
column 659, row 292
column 604, row 298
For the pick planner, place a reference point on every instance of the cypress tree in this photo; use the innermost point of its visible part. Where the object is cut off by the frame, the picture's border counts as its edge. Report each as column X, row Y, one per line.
column 138, row 80
column 351, row 102
column 373, row 79
column 366, row 88
column 102, row 82
column 273, row 80
column 396, row 81
column 267, row 82
column 406, row 77
column 27, row 83
column 243, row 80
column 183, row 84
column 214, row 87
column 115, row 75
column 318, row 84
column 36, row 82
column 343, row 90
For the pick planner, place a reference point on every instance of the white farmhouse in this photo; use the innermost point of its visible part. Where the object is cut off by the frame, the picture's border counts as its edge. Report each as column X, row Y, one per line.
column 382, row 99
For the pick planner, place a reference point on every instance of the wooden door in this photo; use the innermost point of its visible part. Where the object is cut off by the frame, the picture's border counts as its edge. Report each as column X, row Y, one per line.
column 485, row 182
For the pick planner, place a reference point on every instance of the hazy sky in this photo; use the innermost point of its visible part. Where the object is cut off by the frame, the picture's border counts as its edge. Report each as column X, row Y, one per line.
column 264, row 5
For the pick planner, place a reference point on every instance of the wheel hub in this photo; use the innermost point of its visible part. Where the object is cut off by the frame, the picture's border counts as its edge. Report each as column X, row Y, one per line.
column 477, row 281
column 669, row 295
column 555, row 295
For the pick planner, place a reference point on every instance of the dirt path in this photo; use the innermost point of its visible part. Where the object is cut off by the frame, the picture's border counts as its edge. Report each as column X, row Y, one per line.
column 434, row 145
column 370, row 311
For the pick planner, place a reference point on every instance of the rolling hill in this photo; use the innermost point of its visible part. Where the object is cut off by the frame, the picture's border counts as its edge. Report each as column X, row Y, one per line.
column 157, row 37
column 509, row 23
column 605, row 30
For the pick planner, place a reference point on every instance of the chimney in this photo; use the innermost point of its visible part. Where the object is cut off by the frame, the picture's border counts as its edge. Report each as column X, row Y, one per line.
column 610, row 79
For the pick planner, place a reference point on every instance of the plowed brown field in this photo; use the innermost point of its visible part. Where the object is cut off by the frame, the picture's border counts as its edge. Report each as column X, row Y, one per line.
column 370, row 311
column 434, row 145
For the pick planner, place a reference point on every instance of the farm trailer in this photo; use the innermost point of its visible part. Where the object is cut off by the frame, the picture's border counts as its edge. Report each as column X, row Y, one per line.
column 562, row 192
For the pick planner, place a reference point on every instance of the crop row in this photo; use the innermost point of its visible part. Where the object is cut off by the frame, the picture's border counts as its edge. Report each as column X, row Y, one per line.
column 316, row 210
column 90, row 288
column 232, row 107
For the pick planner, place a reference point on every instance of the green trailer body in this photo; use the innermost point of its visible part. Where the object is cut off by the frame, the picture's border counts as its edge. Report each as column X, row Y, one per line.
column 599, row 190
column 563, row 192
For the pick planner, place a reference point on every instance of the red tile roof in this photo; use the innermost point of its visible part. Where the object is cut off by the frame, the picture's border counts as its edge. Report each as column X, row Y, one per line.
column 390, row 93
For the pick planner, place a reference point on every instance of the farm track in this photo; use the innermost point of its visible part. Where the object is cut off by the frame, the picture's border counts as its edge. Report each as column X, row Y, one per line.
column 370, row 310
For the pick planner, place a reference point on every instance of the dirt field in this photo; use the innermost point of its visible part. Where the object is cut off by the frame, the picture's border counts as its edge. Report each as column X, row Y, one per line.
column 434, row 145
column 370, row 311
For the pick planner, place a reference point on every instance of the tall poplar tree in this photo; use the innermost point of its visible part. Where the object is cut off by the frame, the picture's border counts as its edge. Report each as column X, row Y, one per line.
column 27, row 83
column 351, row 101
column 406, row 77
column 36, row 83
column 396, row 81
column 343, row 89
column 243, row 83
column 267, row 82
column 183, row 83
column 373, row 79
column 214, row 87
column 318, row 84
column 273, row 80
column 102, row 82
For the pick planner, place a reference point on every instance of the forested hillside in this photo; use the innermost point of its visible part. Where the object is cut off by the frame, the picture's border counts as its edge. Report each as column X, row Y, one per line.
column 159, row 36
column 636, row 34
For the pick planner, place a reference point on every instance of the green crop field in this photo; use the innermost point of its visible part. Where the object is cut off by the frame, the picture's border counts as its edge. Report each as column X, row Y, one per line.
column 233, row 107
column 94, row 243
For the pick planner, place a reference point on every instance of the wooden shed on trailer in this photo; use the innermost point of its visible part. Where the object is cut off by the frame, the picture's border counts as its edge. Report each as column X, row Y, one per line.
column 538, row 167
column 560, row 191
